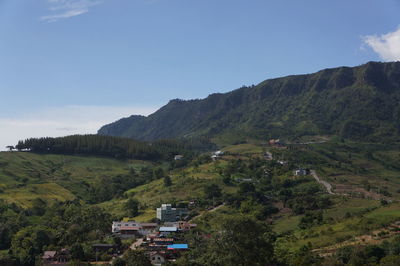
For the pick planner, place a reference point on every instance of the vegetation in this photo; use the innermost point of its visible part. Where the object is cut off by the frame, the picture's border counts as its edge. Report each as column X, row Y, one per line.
column 359, row 103
column 120, row 148
column 249, row 210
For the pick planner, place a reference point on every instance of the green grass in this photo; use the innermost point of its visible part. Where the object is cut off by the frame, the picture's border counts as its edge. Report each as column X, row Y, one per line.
column 287, row 223
column 187, row 184
column 47, row 191
column 340, row 229
column 25, row 176
column 244, row 149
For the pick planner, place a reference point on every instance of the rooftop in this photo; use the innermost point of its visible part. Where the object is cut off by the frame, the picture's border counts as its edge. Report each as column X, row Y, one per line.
column 168, row 229
column 178, row 246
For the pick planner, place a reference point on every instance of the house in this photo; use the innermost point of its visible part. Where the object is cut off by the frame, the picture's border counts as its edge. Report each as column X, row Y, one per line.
column 163, row 241
column 185, row 226
column 148, row 228
column 129, row 228
column 51, row 257
column 178, row 157
column 157, row 258
column 168, row 214
column 116, row 226
column 217, row 154
column 274, row 142
column 301, row 172
column 167, row 230
column 268, row 156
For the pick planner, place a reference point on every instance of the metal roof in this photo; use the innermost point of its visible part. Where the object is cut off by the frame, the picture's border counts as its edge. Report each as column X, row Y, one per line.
column 178, row 246
column 135, row 228
column 168, row 229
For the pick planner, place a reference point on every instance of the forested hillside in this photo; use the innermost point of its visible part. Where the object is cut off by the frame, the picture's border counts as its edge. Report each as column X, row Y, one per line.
column 120, row 148
column 359, row 103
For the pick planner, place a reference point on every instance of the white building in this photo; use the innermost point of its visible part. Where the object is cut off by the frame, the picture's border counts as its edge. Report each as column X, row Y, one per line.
column 168, row 214
column 300, row 172
column 132, row 227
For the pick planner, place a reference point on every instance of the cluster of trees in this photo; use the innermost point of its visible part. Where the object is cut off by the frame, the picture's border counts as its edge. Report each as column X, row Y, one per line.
column 121, row 148
column 237, row 240
column 71, row 225
column 107, row 188
column 385, row 254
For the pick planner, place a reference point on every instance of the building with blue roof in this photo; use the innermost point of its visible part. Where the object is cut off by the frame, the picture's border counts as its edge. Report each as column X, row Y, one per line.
column 178, row 246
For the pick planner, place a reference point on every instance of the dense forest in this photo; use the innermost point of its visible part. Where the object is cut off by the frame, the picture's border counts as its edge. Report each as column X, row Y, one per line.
column 359, row 103
column 121, row 148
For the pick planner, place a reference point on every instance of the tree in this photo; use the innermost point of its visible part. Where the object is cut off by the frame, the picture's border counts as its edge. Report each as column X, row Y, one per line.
column 38, row 206
column 390, row 260
column 117, row 241
column 167, row 181
column 246, row 188
column 158, row 173
column 77, row 252
column 119, row 262
column 212, row 191
column 241, row 240
column 132, row 206
column 10, row 148
column 136, row 258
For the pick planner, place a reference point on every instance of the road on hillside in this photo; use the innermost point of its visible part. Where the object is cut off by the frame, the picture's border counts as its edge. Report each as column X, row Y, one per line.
column 211, row 210
column 322, row 182
column 136, row 244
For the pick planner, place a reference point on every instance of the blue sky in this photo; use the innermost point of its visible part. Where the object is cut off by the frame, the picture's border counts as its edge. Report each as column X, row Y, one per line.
column 69, row 66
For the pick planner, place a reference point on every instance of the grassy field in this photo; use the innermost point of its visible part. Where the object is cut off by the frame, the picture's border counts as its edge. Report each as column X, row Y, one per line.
column 244, row 149
column 365, row 216
column 187, row 184
column 25, row 176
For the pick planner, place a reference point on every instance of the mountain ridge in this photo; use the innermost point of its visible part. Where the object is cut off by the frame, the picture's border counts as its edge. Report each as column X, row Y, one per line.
column 358, row 103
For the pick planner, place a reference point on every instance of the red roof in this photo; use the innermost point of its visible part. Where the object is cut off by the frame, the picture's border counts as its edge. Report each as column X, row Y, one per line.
column 164, row 239
column 149, row 224
column 130, row 228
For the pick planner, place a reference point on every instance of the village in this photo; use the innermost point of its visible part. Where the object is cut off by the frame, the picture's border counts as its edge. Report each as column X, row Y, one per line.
column 160, row 241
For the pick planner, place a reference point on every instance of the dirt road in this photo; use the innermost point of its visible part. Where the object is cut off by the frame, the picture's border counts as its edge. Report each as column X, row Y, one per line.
column 322, row 182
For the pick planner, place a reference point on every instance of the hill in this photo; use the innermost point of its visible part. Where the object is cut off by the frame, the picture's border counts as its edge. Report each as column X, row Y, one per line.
column 79, row 196
column 26, row 176
column 359, row 103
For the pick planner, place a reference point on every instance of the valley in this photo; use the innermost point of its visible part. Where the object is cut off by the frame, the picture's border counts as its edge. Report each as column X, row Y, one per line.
column 352, row 191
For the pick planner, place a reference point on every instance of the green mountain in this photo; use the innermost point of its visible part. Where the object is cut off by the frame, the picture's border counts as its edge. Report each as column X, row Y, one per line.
column 360, row 103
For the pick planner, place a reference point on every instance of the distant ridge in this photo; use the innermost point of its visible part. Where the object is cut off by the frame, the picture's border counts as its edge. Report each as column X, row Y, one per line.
column 360, row 103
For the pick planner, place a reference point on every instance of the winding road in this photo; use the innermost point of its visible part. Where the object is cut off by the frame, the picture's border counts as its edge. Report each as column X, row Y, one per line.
column 322, row 182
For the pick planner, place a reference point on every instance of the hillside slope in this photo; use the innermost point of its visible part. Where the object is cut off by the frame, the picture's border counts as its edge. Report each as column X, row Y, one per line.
column 355, row 103
column 25, row 176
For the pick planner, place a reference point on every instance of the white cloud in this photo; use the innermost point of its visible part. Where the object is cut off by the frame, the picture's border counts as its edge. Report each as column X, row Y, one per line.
column 62, row 121
column 68, row 8
column 387, row 46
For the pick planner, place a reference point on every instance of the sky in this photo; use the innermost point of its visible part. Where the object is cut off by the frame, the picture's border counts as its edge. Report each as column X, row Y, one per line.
column 71, row 66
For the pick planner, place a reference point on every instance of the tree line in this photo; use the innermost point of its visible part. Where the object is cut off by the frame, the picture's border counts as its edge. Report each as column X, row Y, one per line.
column 120, row 148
